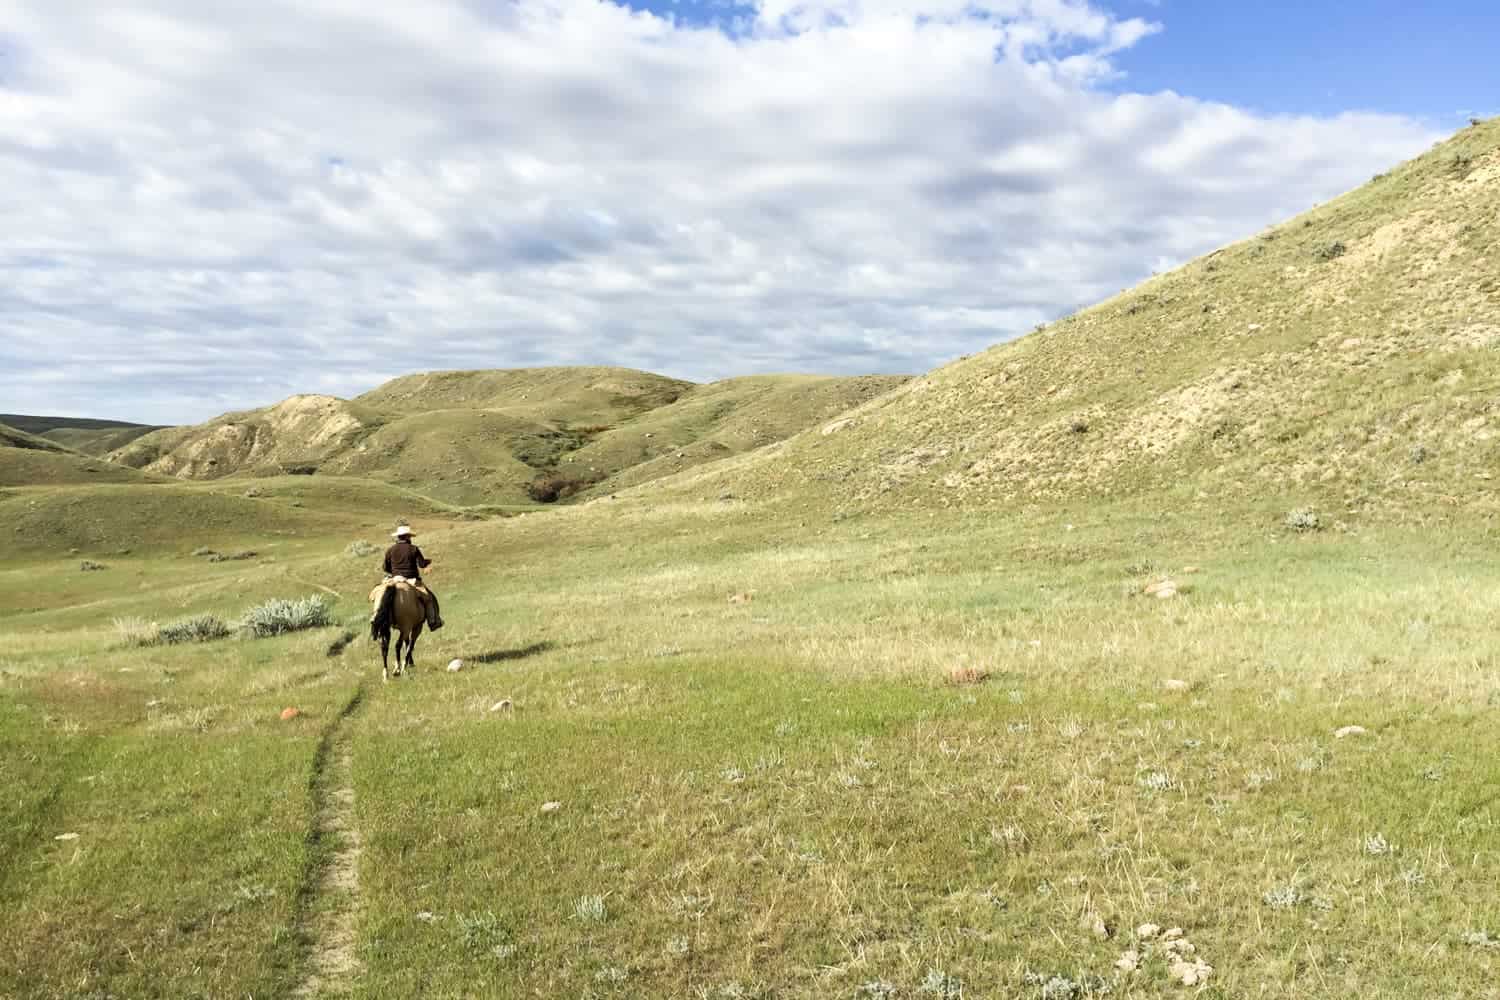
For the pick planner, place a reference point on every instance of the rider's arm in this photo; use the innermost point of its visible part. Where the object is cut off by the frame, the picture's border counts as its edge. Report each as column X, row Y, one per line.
column 422, row 560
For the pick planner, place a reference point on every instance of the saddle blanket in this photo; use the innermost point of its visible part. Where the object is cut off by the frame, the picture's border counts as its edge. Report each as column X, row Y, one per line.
column 395, row 581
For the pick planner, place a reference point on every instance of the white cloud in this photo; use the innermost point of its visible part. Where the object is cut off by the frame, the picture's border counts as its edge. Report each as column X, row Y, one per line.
column 211, row 205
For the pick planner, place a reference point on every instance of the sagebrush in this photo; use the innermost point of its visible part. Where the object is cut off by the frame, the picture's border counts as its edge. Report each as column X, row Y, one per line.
column 281, row 615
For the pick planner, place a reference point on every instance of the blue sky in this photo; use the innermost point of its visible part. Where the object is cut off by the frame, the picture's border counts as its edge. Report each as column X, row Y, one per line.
column 1432, row 60
column 210, row 206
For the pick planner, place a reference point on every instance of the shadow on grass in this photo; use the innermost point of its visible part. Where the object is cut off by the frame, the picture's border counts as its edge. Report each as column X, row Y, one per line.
column 502, row 655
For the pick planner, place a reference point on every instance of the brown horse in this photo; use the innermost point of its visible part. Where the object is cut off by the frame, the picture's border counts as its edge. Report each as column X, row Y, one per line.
column 402, row 608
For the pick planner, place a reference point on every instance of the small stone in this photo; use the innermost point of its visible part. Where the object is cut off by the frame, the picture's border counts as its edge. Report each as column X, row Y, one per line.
column 1162, row 588
column 1173, row 684
column 1190, row 973
column 1340, row 733
column 1147, row 931
column 1129, row 962
column 503, row 705
column 1190, row 570
column 551, row 807
column 66, row 836
column 1172, row 934
column 741, row 598
column 289, row 713
column 454, row 666
column 426, row 916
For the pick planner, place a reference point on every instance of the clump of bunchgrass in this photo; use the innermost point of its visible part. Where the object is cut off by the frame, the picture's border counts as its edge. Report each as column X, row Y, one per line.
column 359, row 549
column 590, row 909
column 1331, row 250
column 939, row 984
column 89, row 566
column 280, row 615
column 135, row 631
column 480, row 931
column 1376, row 845
column 1303, row 519
column 1281, row 897
column 199, row 628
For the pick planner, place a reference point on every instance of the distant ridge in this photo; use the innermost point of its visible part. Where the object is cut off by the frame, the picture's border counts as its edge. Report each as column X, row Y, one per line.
column 84, row 434
column 505, row 436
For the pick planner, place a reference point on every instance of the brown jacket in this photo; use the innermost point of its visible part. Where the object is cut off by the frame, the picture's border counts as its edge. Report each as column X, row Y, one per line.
column 405, row 559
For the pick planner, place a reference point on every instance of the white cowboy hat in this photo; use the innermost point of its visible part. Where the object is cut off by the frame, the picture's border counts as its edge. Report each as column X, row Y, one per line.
column 402, row 530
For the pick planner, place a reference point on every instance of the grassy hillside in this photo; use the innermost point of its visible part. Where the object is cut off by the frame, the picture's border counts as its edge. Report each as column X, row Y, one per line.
column 66, row 518
column 1351, row 355
column 13, row 437
column 28, row 459
column 578, row 396
column 713, row 421
column 86, row 435
column 482, row 438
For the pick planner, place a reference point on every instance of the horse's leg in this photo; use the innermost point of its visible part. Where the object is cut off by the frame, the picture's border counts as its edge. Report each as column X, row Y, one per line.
column 385, row 655
column 400, row 665
column 413, row 645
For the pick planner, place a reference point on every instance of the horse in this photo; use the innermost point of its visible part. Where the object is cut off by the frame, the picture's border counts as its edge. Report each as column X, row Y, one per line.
column 402, row 607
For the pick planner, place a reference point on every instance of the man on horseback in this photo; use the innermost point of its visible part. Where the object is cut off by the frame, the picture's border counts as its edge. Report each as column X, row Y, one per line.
column 404, row 561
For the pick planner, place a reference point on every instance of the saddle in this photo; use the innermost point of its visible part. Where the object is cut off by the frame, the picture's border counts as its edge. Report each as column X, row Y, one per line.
column 399, row 582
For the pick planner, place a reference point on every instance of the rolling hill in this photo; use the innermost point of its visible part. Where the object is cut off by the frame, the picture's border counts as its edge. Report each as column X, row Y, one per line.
column 87, row 435
column 29, row 459
column 1350, row 355
column 483, row 438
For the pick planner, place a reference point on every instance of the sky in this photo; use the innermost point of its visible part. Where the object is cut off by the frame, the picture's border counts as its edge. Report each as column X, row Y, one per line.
column 207, row 206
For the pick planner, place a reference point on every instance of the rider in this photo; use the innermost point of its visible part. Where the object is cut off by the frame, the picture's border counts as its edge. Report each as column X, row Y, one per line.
column 404, row 561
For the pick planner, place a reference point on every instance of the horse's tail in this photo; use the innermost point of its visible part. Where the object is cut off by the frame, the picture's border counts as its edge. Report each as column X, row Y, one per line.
column 380, row 625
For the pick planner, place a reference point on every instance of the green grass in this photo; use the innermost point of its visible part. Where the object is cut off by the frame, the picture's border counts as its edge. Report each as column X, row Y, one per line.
column 785, row 796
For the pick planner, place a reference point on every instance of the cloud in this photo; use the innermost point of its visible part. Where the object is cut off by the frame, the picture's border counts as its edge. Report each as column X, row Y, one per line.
column 212, row 205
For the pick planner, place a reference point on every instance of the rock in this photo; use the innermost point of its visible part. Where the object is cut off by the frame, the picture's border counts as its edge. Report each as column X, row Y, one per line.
column 454, row 666
column 1161, row 588
column 1172, row 934
column 289, row 713
column 1339, row 734
column 1147, row 931
column 1129, row 962
column 1190, row 973
column 741, row 598
column 426, row 916
column 66, row 836
column 551, row 807
column 1190, row 570
column 1173, row 684
column 503, row 705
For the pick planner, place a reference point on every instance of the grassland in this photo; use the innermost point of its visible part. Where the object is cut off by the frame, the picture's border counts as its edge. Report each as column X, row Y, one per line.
column 787, row 794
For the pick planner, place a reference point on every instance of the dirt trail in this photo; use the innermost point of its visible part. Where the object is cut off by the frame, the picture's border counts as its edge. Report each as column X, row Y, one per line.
column 330, row 902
